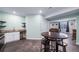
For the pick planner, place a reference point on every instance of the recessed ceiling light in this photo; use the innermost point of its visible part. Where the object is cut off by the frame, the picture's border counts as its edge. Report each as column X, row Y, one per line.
column 40, row 11
column 14, row 12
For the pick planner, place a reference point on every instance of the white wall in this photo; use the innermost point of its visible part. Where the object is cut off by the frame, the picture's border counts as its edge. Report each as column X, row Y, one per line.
column 44, row 24
column 35, row 25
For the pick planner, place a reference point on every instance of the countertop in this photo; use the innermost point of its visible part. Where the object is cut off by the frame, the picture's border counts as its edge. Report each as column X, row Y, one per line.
column 14, row 30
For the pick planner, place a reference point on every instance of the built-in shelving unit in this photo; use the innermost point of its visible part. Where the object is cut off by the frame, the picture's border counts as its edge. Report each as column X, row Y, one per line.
column 2, row 34
column 24, row 25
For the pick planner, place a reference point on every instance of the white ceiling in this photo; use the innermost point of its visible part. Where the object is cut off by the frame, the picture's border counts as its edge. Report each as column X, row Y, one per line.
column 23, row 11
column 46, row 11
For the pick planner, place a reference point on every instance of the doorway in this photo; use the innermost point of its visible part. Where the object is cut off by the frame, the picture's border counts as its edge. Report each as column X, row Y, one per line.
column 64, row 26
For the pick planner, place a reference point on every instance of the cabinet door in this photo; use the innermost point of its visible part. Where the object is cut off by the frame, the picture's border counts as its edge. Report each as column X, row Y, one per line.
column 10, row 37
column 16, row 36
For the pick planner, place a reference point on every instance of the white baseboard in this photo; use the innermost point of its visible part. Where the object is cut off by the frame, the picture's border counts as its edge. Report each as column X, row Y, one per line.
column 77, row 43
column 34, row 38
column 10, row 41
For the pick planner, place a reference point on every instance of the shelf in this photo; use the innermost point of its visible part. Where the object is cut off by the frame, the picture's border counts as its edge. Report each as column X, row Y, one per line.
column 24, row 25
column 2, row 27
column 2, row 22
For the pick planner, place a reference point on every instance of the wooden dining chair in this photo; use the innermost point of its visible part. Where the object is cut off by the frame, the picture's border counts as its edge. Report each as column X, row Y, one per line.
column 42, row 44
column 60, row 43
column 54, row 30
column 63, row 45
column 53, row 41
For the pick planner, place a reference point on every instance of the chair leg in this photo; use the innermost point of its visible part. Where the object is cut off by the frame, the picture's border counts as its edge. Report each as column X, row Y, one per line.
column 41, row 48
column 64, row 48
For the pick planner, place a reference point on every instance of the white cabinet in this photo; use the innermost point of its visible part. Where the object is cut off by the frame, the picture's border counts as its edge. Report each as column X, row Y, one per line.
column 12, row 36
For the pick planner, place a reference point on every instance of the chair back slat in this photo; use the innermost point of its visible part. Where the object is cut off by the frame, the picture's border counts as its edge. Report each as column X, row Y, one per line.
column 53, row 30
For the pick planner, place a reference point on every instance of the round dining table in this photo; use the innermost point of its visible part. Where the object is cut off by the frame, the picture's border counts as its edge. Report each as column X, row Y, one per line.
column 50, row 36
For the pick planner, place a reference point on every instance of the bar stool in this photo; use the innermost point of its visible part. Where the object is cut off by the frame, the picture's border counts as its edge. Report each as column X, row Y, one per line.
column 52, row 45
column 42, row 44
column 53, row 30
column 63, row 45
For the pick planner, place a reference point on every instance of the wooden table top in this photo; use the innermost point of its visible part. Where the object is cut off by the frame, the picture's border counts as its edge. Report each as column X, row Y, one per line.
column 55, row 35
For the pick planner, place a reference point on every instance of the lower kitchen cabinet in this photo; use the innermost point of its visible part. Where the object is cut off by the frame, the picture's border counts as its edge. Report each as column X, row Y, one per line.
column 12, row 36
